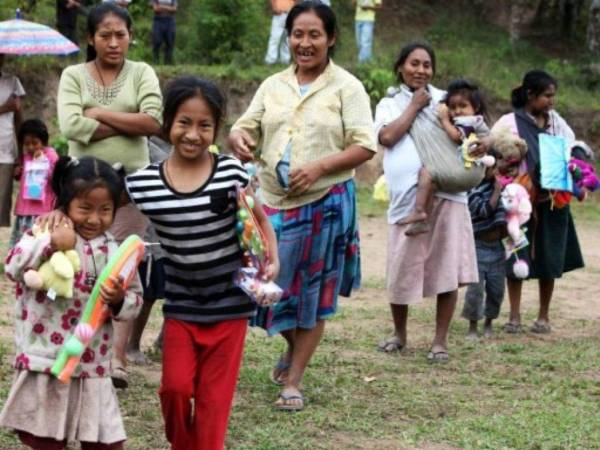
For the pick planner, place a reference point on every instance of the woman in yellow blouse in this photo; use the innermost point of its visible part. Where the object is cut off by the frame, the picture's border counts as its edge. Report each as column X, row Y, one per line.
column 310, row 126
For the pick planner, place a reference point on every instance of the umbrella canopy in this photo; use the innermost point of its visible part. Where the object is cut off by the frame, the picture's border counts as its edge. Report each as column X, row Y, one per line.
column 21, row 37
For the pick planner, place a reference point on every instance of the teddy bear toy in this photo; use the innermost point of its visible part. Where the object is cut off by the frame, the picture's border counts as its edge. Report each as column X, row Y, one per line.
column 56, row 275
column 515, row 200
column 511, row 150
column 584, row 177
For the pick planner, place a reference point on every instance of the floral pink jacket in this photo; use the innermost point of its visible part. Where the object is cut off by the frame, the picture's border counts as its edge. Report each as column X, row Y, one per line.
column 42, row 325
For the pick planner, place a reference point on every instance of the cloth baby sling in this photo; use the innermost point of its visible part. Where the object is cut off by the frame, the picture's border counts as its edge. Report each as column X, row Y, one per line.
column 438, row 153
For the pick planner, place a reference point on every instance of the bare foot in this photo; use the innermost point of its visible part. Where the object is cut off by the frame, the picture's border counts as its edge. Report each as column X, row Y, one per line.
column 137, row 357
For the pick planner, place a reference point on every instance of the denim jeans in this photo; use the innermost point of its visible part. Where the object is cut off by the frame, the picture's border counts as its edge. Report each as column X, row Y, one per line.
column 277, row 49
column 492, row 272
column 364, row 39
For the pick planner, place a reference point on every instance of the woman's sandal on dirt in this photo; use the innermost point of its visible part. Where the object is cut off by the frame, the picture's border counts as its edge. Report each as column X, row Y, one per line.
column 438, row 356
column 512, row 328
column 391, row 345
column 290, row 402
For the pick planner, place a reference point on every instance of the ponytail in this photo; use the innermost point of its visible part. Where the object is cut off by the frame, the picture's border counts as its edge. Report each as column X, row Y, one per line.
column 535, row 82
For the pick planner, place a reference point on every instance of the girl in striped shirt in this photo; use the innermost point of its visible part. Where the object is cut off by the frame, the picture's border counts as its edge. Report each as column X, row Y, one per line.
column 191, row 200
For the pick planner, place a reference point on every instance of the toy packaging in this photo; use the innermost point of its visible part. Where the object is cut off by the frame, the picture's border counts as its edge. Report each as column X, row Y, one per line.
column 256, row 255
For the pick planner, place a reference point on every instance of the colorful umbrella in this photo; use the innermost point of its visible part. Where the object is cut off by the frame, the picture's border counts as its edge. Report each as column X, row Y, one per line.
column 21, row 37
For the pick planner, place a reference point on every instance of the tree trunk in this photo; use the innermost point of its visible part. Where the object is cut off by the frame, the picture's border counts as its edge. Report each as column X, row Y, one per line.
column 593, row 31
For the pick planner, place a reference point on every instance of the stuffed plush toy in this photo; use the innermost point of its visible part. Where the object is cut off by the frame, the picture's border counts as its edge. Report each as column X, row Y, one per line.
column 511, row 150
column 515, row 200
column 56, row 275
column 584, row 178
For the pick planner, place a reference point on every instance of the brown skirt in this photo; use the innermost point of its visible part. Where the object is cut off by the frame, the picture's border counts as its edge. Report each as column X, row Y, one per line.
column 83, row 410
column 432, row 263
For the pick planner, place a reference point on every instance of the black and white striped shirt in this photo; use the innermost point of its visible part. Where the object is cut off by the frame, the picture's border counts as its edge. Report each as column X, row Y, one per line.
column 197, row 233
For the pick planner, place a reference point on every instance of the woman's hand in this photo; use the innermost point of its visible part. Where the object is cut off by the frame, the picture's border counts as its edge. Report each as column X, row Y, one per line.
column 302, row 178
column 242, row 145
column 53, row 220
column 63, row 239
column 113, row 295
column 443, row 111
column 420, row 99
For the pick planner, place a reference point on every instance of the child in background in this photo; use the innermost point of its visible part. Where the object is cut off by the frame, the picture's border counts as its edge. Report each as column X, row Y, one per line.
column 44, row 412
column 489, row 227
column 35, row 195
column 191, row 200
column 462, row 113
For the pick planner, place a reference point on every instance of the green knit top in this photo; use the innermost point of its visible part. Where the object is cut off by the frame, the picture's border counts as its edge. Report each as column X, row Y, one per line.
column 136, row 89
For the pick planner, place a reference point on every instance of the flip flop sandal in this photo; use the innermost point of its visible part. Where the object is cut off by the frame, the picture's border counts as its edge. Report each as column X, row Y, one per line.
column 286, row 398
column 441, row 356
column 416, row 228
column 541, row 328
column 119, row 377
column 512, row 328
column 282, row 366
column 391, row 345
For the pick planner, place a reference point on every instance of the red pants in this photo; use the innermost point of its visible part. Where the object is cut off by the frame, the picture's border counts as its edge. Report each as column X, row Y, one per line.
column 200, row 362
column 44, row 443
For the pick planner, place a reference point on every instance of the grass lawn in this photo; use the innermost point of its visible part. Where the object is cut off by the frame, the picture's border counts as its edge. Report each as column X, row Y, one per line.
column 512, row 391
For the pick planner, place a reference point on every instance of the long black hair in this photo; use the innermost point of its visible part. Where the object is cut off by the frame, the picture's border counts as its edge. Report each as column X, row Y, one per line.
column 405, row 53
column 323, row 12
column 535, row 82
column 183, row 88
column 73, row 178
column 96, row 16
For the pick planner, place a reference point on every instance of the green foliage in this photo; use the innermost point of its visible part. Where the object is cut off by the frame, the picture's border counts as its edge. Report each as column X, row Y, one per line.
column 375, row 80
column 61, row 145
column 226, row 31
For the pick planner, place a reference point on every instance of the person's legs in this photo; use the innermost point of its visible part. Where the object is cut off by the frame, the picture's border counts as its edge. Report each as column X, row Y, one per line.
column 40, row 443
column 446, row 303
column 398, row 341
column 179, row 370
column 101, row 446
column 514, row 297
column 473, row 305
column 6, row 189
column 133, row 350
column 282, row 368
column 494, row 292
column 546, row 289
column 305, row 344
column 418, row 218
column 284, row 48
column 169, row 40
column 156, row 40
column 366, row 41
column 274, row 41
column 122, row 331
column 218, row 369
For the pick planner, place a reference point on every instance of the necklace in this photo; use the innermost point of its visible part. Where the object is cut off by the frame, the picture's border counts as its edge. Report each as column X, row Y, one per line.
column 104, row 94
